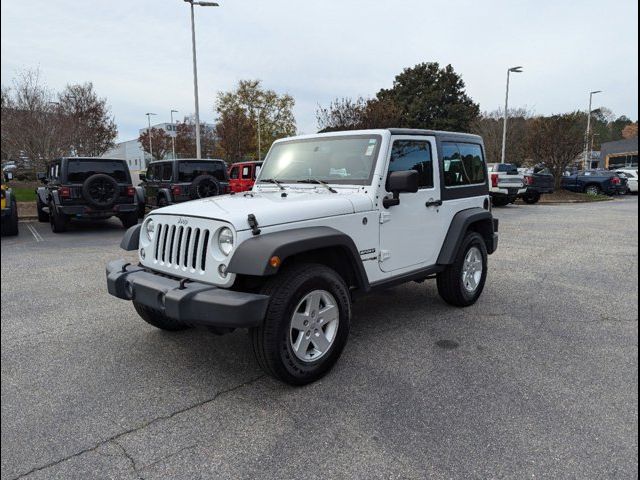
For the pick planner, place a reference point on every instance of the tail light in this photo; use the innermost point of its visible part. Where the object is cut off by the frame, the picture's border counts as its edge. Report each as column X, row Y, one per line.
column 494, row 180
column 528, row 180
column 131, row 191
column 176, row 190
column 64, row 192
column 615, row 181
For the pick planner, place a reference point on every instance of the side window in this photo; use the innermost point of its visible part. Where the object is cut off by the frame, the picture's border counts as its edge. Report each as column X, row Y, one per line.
column 166, row 170
column 413, row 155
column 256, row 171
column 246, row 172
column 150, row 173
column 463, row 164
column 234, row 173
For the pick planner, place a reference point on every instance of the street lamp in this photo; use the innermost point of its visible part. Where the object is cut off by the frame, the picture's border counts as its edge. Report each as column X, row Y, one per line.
column 195, row 69
column 173, row 137
column 506, row 111
column 259, row 109
column 586, row 135
column 148, row 114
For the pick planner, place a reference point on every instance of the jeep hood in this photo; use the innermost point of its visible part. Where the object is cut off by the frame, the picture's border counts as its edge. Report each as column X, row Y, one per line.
column 271, row 208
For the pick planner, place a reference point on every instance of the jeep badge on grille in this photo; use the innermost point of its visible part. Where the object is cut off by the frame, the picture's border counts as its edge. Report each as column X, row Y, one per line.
column 183, row 221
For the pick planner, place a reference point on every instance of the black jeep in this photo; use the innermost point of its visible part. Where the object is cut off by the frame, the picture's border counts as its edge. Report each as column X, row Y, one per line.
column 86, row 188
column 175, row 181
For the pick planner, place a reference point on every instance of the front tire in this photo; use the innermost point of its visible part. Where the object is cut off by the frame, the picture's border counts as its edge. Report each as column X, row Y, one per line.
column 461, row 284
column 306, row 325
column 10, row 227
column 158, row 319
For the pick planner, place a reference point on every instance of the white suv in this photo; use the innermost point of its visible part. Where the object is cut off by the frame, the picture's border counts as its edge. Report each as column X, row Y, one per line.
column 331, row 217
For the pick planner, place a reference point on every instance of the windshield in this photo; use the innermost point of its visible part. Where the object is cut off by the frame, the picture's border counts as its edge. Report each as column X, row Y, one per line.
column 338, row 160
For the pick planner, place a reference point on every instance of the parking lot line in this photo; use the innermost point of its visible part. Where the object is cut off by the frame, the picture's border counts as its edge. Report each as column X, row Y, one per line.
column 35, row 233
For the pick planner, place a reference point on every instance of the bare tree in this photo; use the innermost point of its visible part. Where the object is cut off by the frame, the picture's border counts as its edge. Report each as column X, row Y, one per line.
column 490, row 126
column 186, row 140
column 32, row 124
column 92, row 128
column 341, row 114
column 160, row 142
column 557, row 141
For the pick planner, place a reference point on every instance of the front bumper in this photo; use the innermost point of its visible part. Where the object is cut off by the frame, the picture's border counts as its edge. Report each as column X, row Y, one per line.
column 193, row 303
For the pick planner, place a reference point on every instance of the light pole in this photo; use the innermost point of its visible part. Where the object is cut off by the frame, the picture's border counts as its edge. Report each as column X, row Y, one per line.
column 259, row 108
column 195, row 69
column 148, row 114
column 506, row 112
column 586, row 135
column 173, row 137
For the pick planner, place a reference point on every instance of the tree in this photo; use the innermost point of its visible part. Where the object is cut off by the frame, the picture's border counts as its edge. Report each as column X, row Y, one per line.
column 490, row 127
column 33, row 126
column 431, row 97
column 92, row 128
column 630, row 131
column 249, row 101
column 160, row 142
column 557, row 141
column 186, row 140
column 341, row 114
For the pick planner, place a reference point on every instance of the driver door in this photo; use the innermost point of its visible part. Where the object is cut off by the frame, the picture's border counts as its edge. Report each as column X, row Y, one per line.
column 409, row 232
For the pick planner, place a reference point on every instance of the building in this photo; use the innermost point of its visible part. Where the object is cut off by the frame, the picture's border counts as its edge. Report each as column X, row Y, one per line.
column 134, row 154
column 619, row 154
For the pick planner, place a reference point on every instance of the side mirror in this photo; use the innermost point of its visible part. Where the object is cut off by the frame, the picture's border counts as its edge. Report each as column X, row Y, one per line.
column 42, row 177
column 8, row 176
column 405, row 181
column 143, row 177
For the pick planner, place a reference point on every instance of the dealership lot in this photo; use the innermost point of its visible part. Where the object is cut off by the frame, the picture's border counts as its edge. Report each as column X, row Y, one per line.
column 539, row 378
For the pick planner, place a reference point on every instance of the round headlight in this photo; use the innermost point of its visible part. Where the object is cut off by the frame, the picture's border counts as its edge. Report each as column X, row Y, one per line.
column 225, row 240
column 150, row 229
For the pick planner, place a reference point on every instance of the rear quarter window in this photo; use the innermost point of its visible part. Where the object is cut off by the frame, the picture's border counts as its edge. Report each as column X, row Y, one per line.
column 463, row 164
column 188, row 171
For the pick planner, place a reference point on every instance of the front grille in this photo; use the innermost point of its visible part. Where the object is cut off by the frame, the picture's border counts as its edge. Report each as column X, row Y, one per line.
column 179, row 246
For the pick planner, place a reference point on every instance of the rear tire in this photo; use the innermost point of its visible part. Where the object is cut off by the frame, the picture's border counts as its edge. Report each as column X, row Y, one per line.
column 42, row 215
column 499, row 201
column 59, row 221
column 309, row 294
column 158, row 319
column 452, row 283
column 531, row 198
column 593, row 190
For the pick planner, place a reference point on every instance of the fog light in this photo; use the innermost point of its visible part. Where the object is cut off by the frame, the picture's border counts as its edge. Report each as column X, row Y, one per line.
column 142, row 253
column 222, row 270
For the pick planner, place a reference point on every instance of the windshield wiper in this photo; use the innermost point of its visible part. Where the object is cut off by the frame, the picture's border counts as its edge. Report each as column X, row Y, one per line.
column 318, row 182
column 271, row 180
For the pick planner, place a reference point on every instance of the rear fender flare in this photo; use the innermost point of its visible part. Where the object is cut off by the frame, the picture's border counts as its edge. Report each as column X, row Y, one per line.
column 458, row 229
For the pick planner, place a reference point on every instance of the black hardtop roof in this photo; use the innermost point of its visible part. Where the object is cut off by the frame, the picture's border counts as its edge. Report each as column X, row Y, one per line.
column 218, row 160
column 93, row 159
column 247, row 161
column 440, row 134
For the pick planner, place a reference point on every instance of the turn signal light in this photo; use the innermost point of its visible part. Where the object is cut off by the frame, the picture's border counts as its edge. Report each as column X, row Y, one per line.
column 275, row 261
column 176, row 190
column 64, row 192
column 131, row 191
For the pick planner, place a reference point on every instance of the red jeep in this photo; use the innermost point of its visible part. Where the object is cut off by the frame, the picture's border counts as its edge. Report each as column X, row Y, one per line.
column 242, row 175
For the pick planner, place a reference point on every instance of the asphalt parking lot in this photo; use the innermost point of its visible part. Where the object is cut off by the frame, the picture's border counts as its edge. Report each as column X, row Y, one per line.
column 538, row 379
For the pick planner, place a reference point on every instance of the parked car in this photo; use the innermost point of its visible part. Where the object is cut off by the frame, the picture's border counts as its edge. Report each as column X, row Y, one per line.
column 242, row 175
column 506, row 183
column 9, row 225
column 174, row 181
column 594, row 182
column 318, row 229
column 86, row 188
column 632, row 179
column 538, row 181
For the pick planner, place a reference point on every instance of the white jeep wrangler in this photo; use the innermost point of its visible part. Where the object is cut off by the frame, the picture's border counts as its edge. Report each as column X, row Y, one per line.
column 331, row 217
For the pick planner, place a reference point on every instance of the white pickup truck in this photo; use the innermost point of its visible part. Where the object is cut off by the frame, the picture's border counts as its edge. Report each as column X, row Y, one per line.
column 506, row 183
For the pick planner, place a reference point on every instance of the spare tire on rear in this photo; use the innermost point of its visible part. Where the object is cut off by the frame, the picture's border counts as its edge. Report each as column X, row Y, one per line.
column 100, row 190
column 205, row 186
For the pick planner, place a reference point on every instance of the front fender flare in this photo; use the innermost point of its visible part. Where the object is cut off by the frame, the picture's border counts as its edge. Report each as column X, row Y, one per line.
column 252, row 256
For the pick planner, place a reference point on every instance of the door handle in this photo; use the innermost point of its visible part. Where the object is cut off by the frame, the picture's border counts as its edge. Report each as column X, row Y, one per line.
column 433, row 203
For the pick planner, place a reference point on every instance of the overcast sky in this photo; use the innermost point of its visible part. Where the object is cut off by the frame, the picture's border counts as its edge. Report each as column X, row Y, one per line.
column 138, row 52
